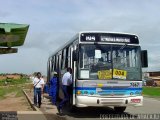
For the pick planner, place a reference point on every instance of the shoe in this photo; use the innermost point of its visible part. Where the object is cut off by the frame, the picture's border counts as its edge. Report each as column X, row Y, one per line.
column 59, row 110
column 60, row 114
column 35, row 104
column 39, row 106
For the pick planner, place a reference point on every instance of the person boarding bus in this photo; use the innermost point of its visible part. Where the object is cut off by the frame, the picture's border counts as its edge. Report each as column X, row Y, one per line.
column 66, row 83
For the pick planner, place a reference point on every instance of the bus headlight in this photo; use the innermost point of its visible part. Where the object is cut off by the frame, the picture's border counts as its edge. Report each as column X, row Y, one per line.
column 138, row 93
column 131, row 93
column 85, row 92
column 91, row 93
column 79, row 92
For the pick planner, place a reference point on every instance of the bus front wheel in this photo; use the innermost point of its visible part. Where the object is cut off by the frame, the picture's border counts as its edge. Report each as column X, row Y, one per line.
column 71, row 107
column 120, row 109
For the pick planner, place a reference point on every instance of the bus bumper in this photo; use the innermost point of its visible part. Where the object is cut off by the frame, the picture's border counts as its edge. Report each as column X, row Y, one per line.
column 86, row 101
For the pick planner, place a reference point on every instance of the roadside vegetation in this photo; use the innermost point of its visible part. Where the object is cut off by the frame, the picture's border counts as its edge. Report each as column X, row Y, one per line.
column 151, row 91
column 11, row 89
column 6, row 82
column 15, row 86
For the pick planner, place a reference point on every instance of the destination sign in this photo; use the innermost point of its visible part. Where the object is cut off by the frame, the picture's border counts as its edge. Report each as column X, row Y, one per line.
column 115, row 39
column 109, row 37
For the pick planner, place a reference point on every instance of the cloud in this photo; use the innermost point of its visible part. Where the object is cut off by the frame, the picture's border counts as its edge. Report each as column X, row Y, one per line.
column 52, row 23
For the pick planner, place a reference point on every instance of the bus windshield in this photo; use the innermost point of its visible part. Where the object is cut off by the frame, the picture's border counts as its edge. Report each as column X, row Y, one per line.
column 102, row 62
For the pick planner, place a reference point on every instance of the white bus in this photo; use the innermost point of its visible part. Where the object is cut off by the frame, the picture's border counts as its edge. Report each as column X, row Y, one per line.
column 107, row 69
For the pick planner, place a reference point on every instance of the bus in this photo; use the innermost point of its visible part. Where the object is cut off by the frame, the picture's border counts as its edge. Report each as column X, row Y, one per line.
column 107, row 69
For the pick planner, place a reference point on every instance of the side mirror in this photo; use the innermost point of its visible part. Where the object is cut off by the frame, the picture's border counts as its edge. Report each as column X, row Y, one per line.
column 75, row 55
column 144, row 58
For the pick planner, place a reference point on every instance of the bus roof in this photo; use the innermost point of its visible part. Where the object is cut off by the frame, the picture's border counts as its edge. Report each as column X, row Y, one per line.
column 105, row 32
column 81, row 32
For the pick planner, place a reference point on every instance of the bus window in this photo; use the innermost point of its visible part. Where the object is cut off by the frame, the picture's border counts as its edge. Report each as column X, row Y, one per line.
column 63, row 59
column 59, row 65
column 66, row 58
column 109, row 60
column 69, row 57
column 55, row 61
column 52, row 64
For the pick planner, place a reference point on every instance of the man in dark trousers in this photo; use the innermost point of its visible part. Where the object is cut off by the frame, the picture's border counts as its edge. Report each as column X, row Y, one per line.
column 66, row 83
column 38, row 84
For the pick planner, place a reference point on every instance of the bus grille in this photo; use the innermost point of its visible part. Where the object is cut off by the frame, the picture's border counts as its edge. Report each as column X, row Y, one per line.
column 112, row 94
column 112, row 102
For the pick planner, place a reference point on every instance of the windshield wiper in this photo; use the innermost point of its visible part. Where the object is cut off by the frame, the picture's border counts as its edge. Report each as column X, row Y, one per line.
column 122, row 47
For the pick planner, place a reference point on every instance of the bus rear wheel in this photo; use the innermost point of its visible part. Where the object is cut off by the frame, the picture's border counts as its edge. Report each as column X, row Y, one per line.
column 120, row 109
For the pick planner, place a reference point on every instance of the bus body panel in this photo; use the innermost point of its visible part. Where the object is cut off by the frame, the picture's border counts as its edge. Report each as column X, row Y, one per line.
column 108, row 93
column 98, row 92
column 85, row 101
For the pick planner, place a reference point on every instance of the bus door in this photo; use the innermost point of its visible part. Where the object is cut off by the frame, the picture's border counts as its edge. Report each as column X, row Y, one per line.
column 73, row 66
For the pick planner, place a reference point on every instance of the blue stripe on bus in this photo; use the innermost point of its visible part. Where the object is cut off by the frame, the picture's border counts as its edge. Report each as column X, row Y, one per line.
column 85, row 88
column 94, row 88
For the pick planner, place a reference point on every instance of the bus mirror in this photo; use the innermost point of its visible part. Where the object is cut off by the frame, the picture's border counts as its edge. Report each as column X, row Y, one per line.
column 75, row 55
column 144, row 58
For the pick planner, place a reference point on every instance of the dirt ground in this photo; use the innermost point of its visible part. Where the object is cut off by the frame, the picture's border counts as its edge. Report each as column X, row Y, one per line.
column 13, row 103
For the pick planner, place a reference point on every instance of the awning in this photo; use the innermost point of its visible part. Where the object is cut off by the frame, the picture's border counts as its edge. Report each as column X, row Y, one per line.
column 12, row 35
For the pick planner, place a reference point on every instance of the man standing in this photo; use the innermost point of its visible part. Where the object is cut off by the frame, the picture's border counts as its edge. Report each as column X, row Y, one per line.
column 38, row 83
column 66, row 83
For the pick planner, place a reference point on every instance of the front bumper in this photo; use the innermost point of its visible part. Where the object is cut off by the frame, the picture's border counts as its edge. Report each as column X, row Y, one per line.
column 86, row 101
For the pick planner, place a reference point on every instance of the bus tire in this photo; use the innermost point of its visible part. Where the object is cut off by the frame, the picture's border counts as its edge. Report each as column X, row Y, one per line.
column 71, row 107
column 120, row 109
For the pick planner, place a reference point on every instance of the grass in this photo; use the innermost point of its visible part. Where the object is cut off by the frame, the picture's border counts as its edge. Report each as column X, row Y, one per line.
column 13, row 81
column 12, row 86
column 2, row 93
column 151, row 91
column 11, row 89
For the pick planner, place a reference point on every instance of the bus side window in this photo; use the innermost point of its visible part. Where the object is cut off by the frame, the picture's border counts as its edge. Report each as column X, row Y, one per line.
column 59, row 65
column 64, row 55
column 57, row 59
column 62, row 59
column 69, row 57
column 54, row 63
column 66, row 58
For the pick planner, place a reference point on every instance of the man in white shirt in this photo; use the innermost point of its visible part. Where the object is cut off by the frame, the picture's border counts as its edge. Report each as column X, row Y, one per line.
column 38, row 84
column 66, row 82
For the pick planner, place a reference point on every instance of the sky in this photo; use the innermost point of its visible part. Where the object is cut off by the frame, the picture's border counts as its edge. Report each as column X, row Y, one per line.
column 54, row 22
